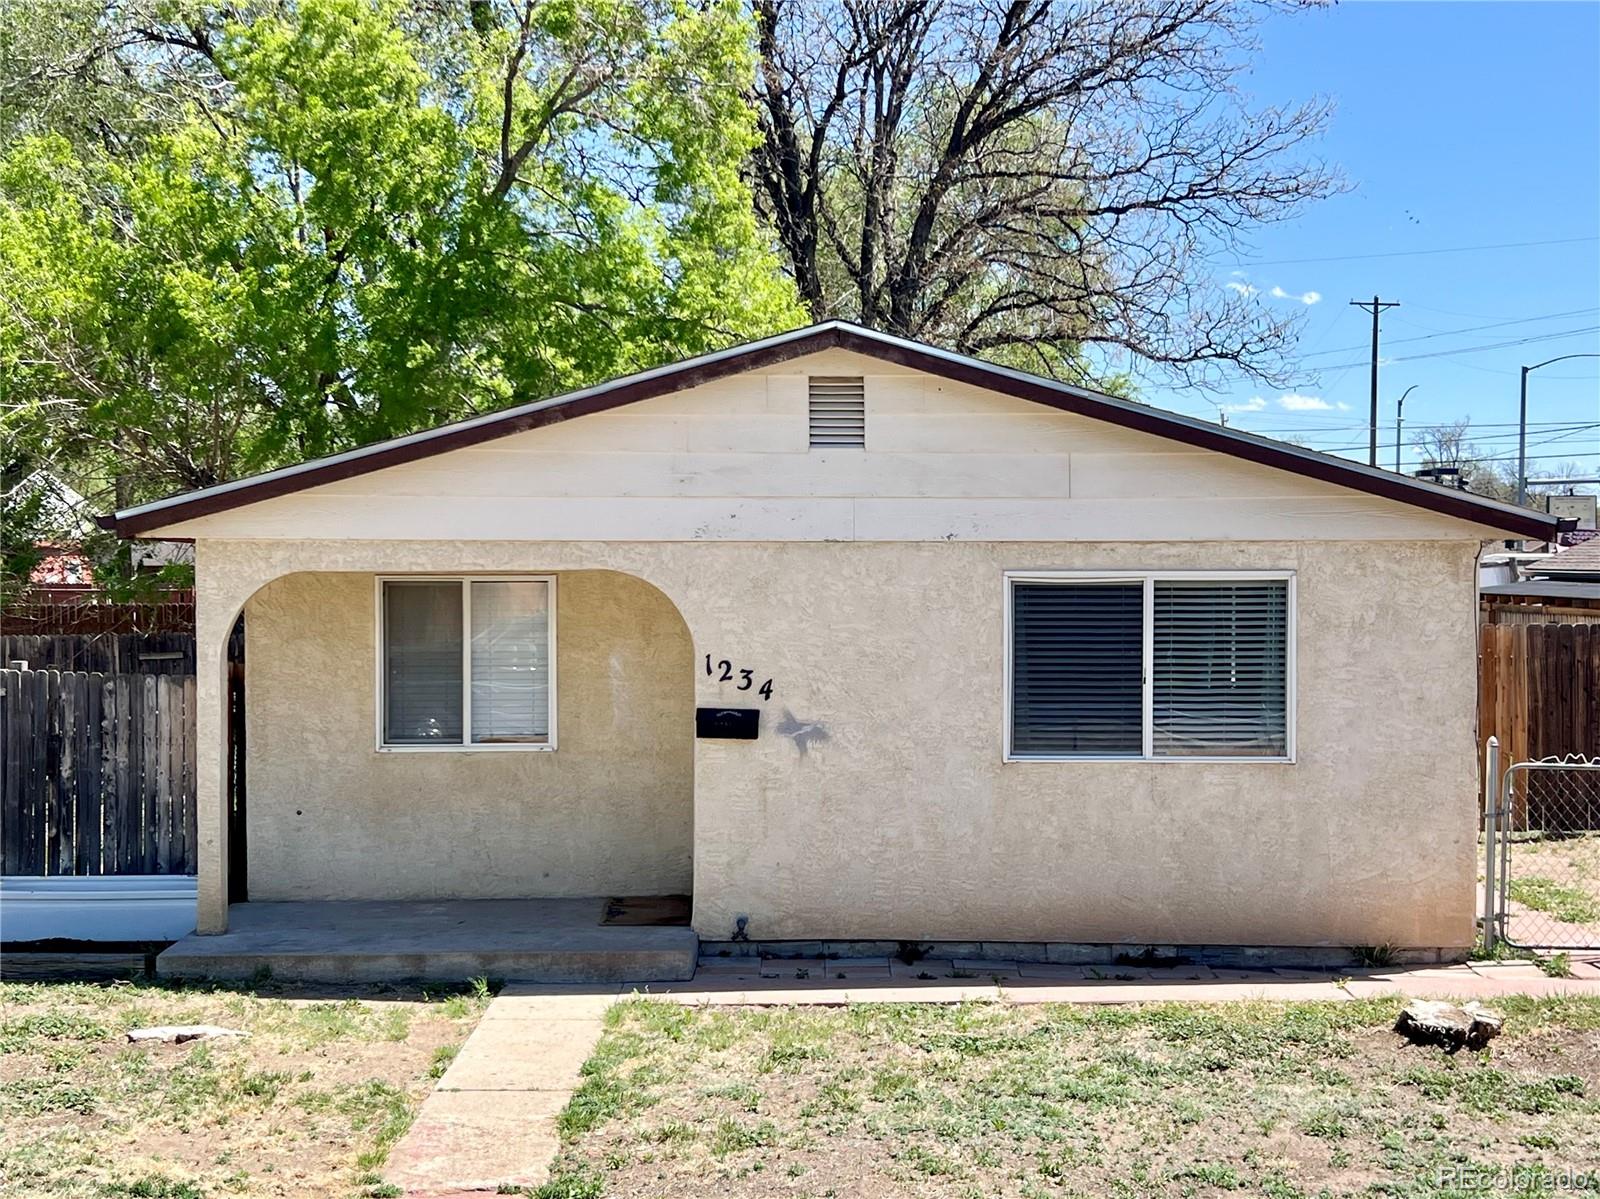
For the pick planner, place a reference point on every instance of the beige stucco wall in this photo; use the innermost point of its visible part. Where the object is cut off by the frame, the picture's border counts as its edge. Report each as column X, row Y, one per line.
column 867, row 584
column 904, row 822
column 330, row 816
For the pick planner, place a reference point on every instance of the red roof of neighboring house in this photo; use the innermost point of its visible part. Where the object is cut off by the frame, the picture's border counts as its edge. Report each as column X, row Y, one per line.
column 770, row 351
column 60, row 567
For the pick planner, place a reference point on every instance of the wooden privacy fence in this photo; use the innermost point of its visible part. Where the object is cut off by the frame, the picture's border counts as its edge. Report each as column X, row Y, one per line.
column 97, row 773
column 111, row 653
column 1539, row 691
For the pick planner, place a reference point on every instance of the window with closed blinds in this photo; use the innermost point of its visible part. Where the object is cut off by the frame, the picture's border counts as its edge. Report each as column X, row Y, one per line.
column 468, row 662
column 1220, row 669
column 510, row 661
column 422, row 663
column 1077, row 670
column 1150, row 666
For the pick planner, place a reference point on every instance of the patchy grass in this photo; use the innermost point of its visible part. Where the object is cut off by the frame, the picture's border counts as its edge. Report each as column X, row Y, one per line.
column 307, row 1105
column 1295, row 1100
column 1570, row 905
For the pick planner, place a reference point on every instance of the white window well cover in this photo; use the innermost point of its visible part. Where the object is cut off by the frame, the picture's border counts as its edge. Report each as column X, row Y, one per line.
column 838, row 411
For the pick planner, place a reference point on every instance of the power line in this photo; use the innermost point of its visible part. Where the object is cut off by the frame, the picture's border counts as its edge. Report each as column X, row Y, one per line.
column 1508, row 453
column 1494, row 457
column 1497, row 345
column 1544, row 426
column 1394, row 341
column 1504, row 245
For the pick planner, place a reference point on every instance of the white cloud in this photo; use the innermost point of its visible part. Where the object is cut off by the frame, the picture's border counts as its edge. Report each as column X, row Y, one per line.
column 1295, row 402
column 1244, row 289
column 1253, row 404
column 1305, row 297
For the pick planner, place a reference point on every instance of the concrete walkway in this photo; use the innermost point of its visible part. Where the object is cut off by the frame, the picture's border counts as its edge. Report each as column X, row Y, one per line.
column 491, row 1122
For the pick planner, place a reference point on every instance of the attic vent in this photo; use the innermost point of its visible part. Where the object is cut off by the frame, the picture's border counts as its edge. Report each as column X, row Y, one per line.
column 838, row 411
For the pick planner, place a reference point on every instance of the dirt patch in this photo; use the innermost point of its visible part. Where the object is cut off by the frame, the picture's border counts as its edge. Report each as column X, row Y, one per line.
column 886, row 1100
column 306, row 1105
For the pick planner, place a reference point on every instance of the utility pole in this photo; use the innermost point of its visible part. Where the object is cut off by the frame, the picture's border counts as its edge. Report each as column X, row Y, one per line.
column 1522, row 423
column 1399, row 411
column 1375, row 308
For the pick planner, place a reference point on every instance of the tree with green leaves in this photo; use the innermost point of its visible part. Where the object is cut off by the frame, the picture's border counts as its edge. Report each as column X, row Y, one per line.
column 235, row 236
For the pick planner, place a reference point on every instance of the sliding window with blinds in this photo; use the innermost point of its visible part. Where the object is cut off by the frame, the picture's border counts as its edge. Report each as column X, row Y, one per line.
column 1151, row 666
column 1077, row 673
column 1220, row 669
column 467, row 663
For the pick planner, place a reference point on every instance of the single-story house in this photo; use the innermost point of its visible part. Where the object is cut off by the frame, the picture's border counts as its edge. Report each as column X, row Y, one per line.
column 849, row 637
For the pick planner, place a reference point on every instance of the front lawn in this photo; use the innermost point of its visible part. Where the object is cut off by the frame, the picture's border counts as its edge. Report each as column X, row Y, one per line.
column 306, row 1105
column 990, row 1099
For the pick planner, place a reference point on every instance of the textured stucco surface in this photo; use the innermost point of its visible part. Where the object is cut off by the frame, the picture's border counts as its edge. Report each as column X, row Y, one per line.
column 904, row 822
column 331, row 817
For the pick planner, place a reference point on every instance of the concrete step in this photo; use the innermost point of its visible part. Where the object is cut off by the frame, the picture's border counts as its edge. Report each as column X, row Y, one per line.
column 550, row 941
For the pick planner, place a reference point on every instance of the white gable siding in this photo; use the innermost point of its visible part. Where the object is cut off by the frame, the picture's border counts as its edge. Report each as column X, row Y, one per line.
column 730, row 460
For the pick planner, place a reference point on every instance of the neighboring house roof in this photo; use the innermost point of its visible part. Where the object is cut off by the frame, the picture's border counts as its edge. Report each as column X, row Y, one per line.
column 870, row 343
column 1579, row 562
column 1545, row 589
column 61, row 566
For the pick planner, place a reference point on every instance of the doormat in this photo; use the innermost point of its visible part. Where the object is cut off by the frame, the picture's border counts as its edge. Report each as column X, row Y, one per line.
column 653, row 910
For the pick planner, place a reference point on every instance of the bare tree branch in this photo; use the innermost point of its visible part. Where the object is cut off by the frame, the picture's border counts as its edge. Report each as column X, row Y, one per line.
column 1025, row 178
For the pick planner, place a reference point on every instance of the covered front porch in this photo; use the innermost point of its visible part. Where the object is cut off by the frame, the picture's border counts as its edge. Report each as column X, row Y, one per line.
column 644, row 939
column 426, row 736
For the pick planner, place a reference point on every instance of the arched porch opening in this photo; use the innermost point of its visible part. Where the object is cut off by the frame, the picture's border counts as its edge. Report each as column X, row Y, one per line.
column 337, row 811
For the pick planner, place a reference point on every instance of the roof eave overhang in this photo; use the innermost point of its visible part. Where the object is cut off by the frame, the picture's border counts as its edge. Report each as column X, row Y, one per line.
column 1509, row 520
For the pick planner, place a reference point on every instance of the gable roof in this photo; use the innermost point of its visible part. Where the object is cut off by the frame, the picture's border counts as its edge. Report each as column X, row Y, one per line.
column 664, row 380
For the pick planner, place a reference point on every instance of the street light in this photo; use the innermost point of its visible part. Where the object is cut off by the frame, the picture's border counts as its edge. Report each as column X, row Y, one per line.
column 1398, row 411
column 1522, row 423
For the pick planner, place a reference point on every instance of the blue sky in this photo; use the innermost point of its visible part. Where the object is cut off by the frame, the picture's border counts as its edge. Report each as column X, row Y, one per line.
column 1456, row 125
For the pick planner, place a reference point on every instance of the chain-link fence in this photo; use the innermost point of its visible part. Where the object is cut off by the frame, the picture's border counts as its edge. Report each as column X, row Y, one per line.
column 1542, row 863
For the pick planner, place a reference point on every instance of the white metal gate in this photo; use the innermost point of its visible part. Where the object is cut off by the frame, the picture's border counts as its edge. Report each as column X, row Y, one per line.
column 1541, row 865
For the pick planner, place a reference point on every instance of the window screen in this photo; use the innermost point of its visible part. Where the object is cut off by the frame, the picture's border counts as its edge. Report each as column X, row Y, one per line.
column 1077, row 669
column 422, row 663
column 510, row 661
column 1220, row 669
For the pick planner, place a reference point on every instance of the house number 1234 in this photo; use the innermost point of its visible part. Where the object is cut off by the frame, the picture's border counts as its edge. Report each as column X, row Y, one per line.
column 724, row 672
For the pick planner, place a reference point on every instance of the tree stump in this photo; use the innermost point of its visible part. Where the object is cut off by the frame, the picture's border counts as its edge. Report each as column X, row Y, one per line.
column 1436, row 1022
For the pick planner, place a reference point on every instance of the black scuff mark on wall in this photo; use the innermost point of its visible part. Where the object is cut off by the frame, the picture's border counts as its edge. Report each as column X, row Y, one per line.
column 801, row 732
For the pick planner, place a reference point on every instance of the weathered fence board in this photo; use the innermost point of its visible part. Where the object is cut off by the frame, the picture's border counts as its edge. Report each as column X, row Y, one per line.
column 1539, row 690
column 109, row 653
column 98, row 774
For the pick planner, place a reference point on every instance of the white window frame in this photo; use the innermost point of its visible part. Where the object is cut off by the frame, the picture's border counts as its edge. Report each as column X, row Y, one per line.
column 466, row 746
column 1148, row 579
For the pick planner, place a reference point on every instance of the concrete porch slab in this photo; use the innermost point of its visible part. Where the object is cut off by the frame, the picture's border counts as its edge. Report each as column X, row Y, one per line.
column 533, row 940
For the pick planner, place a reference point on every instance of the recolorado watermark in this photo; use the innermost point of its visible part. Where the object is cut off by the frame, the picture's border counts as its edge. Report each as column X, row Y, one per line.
column 1518, row 1180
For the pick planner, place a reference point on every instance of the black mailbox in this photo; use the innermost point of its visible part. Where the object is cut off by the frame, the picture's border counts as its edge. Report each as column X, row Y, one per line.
column 733, row 724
